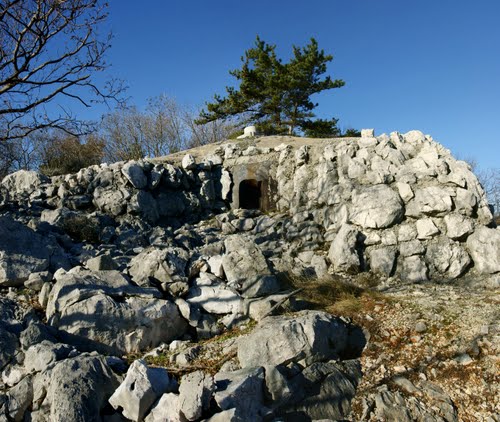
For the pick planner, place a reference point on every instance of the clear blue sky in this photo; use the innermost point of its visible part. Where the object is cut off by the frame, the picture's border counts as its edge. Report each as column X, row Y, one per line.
column 432, row 65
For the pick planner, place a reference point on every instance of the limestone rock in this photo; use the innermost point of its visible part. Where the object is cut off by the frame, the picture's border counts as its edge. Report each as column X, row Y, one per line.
column 458, row 226
column 140, row 389
column 426, row 228
column 20, row 397
column 309, row 335
column 134, row 173
column 163, row 265
column 101, row 263
column 484, row 247
column 166, row 409
column 246, row 268
column 448, row 258
column 431, row 201
column 242, row 390
column 215, row 299
column 102, row 310
column 376, row 207
column 382, row 260
column 414, row 269
column 23, row 182
column 188, row 162
column 195, row 393
column 77, row 389
column 22, row 252
column 343, row 253
column 323, row 391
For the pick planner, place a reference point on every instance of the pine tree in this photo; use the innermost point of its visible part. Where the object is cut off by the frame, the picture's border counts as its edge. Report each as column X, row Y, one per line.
column 274, row 95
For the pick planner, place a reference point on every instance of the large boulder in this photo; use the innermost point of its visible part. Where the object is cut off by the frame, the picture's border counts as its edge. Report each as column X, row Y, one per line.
column 484, row 247
column 343, row 253
column 323, row 391
column 312, row 336
column 431, row 201
column 376, row 207
column 160, row 265
column 103, row 311
column 77, row 389
column 23, row 182
column 246, row 268
column 140, row 389
column 134, row 173
column 22, row 252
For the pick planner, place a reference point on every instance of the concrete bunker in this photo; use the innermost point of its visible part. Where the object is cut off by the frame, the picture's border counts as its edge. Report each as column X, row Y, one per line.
column 253, row 187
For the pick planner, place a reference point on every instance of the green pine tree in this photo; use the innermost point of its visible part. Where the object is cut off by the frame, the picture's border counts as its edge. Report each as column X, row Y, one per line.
column 274, row 95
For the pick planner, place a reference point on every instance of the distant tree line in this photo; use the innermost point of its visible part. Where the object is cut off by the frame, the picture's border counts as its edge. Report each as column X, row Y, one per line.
column 127, row 133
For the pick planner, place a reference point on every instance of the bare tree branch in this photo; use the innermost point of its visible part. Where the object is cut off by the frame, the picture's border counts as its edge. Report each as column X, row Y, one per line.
column 50, row 49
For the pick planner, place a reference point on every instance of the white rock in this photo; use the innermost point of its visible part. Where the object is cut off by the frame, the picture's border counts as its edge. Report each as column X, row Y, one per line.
column 376, row 207
column 426, row 228
column 188, row 162
column 140, row 389
column 167, row 409
column 367, row 133
column 405, row 191
column 342, row 253
column 195, row 392
column 484, row 247
column 458, row 226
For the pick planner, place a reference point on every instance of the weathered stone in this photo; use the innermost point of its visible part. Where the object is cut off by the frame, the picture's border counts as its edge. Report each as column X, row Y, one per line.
column 102, row 310
column 246, row 268
column 414, row 269
column 277, row 385
column 343, row 253
column 78, row 389
column 134, row 173
column 484, row 247
column 413, row 247
column 432, row 201
column 39, row 356
column 376, row 207
column 215, row 299
column 458, row 226
column 405, row 191
column 426, row 229
column 140, row 389
column 195, row 392
column 166, row 409
column 23, row 182
column 36, row 280
column 242, row 390
column 323, row 391
column 309, row 335
column 22, row 252
column 382, row 260
column 163, row 265
column 101, row 263
column 449, row 259
column 20, row 397
column 188, row 162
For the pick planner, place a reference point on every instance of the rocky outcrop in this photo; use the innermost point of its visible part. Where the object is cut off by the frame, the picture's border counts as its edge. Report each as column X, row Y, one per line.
column 149, row 257
column 103, row 311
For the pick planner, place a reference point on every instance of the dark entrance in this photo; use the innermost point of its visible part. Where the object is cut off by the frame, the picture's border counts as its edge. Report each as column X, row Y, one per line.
column 250, row 194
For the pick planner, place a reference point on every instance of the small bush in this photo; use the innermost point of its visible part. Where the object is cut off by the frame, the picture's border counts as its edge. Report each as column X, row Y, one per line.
column 82, row 228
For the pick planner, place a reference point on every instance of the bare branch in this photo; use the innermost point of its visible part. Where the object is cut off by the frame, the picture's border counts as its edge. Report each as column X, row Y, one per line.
column 50, row 49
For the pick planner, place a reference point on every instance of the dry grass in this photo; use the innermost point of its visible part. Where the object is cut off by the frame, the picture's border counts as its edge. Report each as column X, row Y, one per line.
column 336, row 295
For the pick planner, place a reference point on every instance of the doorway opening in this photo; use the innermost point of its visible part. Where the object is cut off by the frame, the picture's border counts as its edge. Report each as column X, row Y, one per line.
column 250, row 193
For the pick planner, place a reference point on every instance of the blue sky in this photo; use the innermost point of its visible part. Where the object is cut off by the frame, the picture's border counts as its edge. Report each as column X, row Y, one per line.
column 432, row 65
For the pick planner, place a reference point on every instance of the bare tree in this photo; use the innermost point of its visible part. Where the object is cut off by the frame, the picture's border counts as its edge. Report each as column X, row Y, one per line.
column 490, row 180
column 49, row 50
